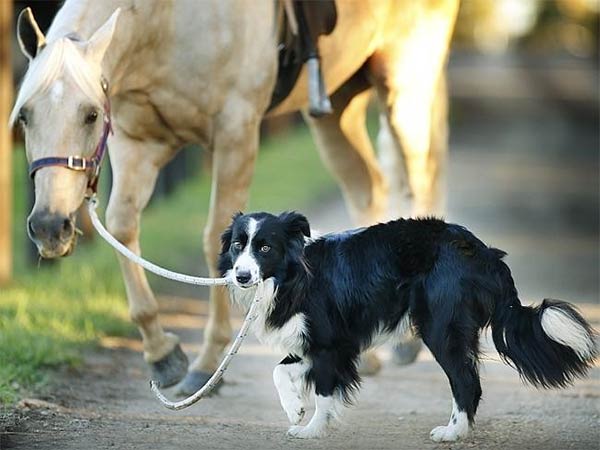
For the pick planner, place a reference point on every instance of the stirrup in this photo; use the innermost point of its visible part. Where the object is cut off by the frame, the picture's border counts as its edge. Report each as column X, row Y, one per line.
column 318, row 101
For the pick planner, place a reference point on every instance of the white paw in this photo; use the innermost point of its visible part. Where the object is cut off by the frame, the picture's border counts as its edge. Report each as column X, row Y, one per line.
column 448, row 433
column 307, row 432
column 294, row 409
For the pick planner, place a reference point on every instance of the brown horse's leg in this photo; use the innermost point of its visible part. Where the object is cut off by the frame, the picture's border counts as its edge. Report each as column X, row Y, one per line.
column 415, row 170
column 234, row 155
column 427, row 191
column 408, row 72
column 346, row 150
column 135, row 166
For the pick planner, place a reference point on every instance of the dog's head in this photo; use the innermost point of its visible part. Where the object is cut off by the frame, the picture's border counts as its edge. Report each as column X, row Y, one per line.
column 259, row 246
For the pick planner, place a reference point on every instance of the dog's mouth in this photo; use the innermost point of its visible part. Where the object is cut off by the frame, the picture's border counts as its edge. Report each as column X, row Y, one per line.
column 244, row 278
column 247, row 285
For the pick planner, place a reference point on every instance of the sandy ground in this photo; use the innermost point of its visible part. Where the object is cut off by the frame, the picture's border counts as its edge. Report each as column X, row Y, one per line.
column 529, row 189
column 108, row 404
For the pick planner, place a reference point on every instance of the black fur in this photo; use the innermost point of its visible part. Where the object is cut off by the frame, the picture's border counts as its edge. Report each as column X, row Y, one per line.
column 351, row 285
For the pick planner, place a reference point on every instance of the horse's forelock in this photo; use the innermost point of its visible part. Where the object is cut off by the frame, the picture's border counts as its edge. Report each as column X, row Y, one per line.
column 59, row 57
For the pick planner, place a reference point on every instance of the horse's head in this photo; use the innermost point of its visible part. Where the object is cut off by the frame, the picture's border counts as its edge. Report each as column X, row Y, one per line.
column 61, row 106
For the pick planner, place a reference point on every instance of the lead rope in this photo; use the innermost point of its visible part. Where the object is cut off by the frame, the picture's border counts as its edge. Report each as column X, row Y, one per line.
column 216, row 377
column 151, row 267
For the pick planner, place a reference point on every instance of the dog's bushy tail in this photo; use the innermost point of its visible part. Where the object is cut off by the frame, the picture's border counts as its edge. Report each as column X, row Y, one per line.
column 549, row 344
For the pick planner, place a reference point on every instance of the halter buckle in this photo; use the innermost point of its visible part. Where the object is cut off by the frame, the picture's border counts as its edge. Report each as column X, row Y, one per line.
column 76, row 163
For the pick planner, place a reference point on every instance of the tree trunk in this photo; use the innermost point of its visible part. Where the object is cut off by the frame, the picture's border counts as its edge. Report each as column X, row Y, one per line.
column 6, row 86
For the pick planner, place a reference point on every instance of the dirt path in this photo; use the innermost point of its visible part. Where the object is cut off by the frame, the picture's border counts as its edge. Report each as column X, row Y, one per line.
column 107, row 404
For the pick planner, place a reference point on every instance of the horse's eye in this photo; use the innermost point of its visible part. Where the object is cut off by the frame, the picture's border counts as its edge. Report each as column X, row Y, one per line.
column 22, row 118
column 91, row 117
column 265, row 249
column 237, row 245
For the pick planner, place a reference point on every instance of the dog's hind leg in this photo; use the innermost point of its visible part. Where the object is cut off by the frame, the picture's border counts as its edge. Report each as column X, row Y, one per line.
column 455, row 347
column 289, row 379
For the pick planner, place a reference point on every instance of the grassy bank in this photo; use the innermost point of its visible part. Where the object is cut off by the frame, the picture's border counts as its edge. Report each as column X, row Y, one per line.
column 49, row 315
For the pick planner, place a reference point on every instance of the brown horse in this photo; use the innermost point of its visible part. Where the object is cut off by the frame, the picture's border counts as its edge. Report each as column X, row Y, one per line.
column 204, row 72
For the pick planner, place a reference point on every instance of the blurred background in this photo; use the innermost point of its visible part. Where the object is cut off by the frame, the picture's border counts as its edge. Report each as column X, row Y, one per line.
column 523, row 175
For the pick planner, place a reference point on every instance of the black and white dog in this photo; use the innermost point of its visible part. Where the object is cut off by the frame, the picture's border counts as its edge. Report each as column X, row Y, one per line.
column 331, row 297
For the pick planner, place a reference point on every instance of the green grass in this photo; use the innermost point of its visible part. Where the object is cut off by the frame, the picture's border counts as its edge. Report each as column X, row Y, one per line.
column 49, row 315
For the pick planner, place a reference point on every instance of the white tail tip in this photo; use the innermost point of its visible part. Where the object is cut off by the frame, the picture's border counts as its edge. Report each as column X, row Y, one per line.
column 561, row 327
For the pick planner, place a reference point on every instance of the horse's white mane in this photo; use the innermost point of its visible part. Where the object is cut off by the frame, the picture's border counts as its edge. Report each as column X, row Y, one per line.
column 63, row 56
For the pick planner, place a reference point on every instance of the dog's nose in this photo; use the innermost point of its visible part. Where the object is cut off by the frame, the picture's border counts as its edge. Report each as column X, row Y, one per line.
column 242, row 276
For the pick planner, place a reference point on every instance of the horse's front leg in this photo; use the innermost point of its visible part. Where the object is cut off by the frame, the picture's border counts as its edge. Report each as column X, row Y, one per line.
column 234, row 154
column 135, row 166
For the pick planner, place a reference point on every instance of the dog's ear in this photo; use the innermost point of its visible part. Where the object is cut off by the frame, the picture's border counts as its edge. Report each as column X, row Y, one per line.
column 228, row 233
column 295, row 223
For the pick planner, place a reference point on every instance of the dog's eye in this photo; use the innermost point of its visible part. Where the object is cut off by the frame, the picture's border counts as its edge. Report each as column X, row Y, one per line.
column 265, row 248
column 237, row 245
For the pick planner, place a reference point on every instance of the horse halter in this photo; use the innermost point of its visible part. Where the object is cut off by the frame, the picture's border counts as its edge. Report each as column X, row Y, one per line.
column 91, row 166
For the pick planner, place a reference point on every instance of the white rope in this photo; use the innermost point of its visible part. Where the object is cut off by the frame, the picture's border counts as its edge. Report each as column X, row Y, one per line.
column 216, row 377
column 250, row 316
column 93, row 203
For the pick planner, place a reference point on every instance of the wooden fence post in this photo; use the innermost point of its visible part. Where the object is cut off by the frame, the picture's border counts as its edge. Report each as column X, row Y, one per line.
column 6, row 87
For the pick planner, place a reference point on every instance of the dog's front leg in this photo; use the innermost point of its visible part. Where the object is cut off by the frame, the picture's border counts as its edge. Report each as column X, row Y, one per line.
column 289, row 378
column 325, row 411
column 326, row 399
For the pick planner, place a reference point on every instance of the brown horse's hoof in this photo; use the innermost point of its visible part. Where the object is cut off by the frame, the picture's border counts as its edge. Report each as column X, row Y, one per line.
column 406, row 352
column 369, row 363
column 193, row 382
column 171, row 369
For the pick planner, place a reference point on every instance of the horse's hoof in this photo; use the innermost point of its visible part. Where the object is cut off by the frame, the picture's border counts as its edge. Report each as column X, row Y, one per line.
column 194, row 381
column 406, row 352
column 369, row 363
column 171, row 369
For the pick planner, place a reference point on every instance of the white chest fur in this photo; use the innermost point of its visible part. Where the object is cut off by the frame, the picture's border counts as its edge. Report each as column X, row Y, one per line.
column 286, row 339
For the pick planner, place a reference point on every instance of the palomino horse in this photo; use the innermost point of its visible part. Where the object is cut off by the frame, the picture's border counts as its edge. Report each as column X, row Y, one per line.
column 204, row 72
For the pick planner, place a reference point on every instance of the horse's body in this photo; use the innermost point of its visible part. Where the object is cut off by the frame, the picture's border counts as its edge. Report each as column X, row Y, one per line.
column 203, row 72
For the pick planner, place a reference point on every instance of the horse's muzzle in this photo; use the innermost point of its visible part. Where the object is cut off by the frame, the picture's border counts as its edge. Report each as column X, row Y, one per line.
column 53, row 234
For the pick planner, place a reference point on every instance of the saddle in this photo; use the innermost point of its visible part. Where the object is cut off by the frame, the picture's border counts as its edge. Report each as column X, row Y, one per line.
column 301, row 24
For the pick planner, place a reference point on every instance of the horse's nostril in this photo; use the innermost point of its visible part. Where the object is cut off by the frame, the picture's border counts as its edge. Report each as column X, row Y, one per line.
column 67, row 227
column 30, row 228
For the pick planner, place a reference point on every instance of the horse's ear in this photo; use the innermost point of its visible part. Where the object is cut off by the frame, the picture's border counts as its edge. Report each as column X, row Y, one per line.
column 30, row 37
column 97, row 45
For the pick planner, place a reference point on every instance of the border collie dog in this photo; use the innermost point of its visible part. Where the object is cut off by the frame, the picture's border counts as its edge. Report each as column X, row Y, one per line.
column 328, row 299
